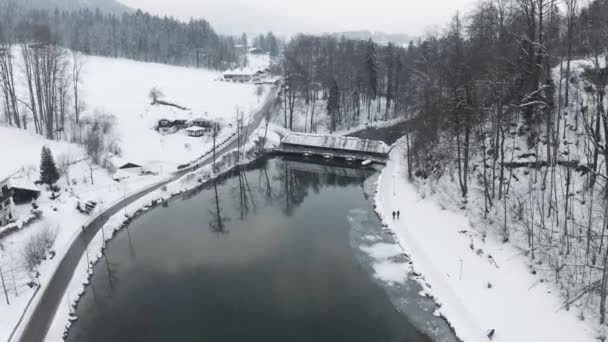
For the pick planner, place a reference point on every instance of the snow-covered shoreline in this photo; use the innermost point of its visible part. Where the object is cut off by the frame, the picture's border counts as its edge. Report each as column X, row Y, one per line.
column 478, row 282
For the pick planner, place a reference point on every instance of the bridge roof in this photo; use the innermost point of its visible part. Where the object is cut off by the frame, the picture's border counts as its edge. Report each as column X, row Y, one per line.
column 337, row 142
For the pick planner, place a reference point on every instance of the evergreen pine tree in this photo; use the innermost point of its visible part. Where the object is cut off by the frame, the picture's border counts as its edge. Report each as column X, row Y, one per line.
column 48, row 170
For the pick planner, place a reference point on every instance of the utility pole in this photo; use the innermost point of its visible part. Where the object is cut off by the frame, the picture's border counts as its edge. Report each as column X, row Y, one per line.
column 4, row 287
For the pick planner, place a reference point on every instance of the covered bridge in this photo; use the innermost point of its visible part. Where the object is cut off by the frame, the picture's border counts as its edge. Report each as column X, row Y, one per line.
column 349, row 148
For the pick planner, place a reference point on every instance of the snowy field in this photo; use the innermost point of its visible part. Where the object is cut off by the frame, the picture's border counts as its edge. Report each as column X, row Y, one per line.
column 121, row 87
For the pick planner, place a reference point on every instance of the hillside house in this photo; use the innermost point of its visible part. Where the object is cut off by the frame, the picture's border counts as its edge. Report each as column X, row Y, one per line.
column 197, row 131
column 245, row 75
column 23, row 191
column 131, row 168
column 200, row 122
column 7, row 207
column 165, row 126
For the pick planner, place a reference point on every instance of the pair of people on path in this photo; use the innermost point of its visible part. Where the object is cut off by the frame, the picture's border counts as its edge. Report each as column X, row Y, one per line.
column 396, row 214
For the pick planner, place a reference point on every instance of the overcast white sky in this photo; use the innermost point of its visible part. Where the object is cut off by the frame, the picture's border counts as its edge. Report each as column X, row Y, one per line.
column 312, row 16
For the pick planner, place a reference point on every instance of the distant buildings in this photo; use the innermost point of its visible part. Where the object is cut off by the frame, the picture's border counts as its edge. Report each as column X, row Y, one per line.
column 169, row 127
column 196, row 131
column 194, row 128
column 245, row 75
column 255, row 51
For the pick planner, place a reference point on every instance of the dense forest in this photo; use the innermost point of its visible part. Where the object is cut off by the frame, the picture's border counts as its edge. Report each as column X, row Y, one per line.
column 106, row 6
column 138, row 35
column 508, row 107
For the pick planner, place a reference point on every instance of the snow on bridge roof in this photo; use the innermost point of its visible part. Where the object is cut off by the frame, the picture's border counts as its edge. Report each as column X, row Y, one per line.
column 337, row 142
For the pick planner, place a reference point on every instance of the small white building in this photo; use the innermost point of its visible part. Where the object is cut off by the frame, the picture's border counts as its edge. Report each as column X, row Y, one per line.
column 197, row 131
column 7, row 206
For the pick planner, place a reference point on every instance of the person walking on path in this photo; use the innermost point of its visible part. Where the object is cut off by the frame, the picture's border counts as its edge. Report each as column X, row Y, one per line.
column 394, row 215
column 398, row 214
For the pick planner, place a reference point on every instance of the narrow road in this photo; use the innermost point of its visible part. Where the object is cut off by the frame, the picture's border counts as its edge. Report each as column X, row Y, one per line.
column 41, row 318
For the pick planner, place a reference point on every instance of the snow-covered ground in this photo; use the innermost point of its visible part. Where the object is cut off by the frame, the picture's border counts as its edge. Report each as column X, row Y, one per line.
column 59, row 215
column 119, row 87
column 479, row 282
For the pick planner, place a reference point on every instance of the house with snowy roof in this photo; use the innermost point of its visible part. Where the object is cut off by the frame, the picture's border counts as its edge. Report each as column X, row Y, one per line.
column 245, row 75
column 166, row 126
column 200, row 126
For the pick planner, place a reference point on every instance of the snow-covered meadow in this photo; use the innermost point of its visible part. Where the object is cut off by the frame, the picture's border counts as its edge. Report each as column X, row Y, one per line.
column 121, row 87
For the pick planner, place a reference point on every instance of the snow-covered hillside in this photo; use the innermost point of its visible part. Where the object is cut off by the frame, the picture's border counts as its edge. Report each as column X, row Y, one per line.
column 121, row 87
column 524, row 263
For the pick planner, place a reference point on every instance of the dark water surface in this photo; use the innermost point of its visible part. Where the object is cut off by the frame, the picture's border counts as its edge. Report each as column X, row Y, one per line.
column 262, row 256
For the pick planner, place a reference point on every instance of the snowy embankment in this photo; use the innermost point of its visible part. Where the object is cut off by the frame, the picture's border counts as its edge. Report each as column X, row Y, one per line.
column 59, row 216
column 66, row 313
column 479, row 282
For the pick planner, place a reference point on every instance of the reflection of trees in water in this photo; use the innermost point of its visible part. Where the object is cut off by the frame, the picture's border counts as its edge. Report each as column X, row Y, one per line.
column 268, row 187
column 289, row 182
column 217, row 224
column 245, row 195
column 296, row 185
column 111, row 273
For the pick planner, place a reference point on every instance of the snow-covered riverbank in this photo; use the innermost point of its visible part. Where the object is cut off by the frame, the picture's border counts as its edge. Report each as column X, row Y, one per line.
column 480, row 283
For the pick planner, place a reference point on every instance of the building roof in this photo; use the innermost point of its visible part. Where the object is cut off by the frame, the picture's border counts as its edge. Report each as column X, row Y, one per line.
column 337, row 142
column 243, row 72
column 129, row 166
column 5, row 176
column 24, row 184
column 195, row 129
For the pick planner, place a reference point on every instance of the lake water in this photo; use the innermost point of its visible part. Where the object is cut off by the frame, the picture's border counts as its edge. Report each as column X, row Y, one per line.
column 266, row 254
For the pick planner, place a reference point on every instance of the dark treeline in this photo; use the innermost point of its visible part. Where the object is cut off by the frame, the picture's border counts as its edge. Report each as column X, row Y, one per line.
column 267, row 43
column 354, row 77
column 139, row 36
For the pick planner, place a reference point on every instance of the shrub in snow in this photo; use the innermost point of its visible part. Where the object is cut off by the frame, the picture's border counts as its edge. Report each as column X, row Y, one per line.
column 36, row 248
